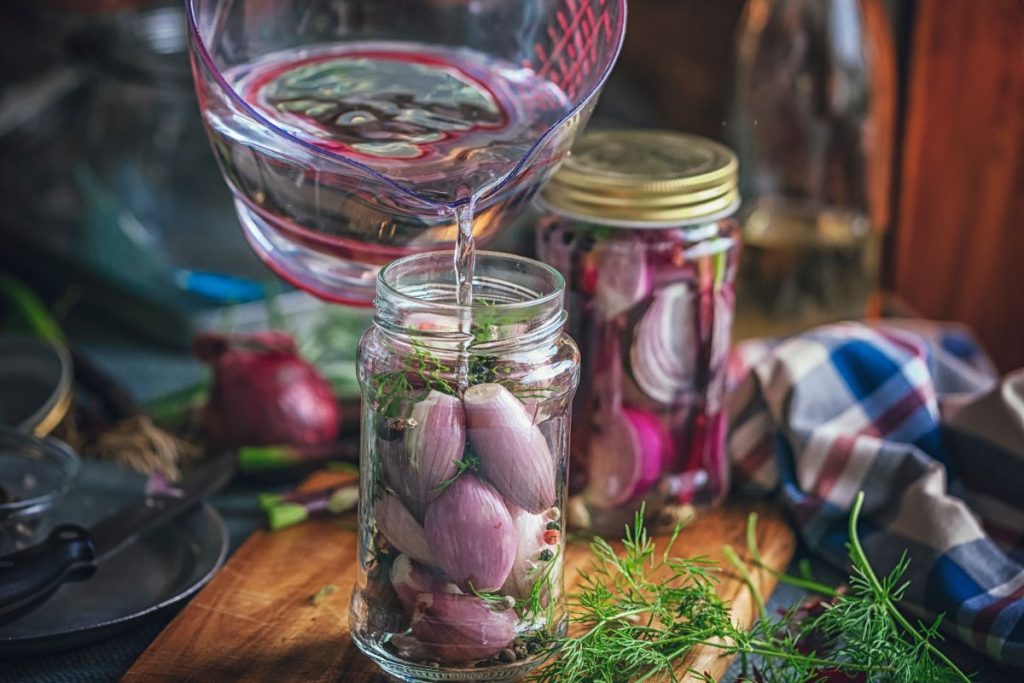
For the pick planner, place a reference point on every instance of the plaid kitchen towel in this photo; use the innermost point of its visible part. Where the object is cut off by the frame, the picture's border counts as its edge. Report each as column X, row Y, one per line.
column 913, row 414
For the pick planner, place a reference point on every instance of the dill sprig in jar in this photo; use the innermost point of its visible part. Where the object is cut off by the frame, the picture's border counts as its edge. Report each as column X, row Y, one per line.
column 640, row 225
column 465, row 430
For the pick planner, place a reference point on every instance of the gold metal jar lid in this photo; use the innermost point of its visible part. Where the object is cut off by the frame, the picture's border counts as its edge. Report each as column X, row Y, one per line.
column 640, row 176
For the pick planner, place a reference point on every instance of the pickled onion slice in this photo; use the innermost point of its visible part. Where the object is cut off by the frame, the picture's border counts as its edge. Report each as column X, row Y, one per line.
column 623, row 280
column 664, row 349
column 626, row 458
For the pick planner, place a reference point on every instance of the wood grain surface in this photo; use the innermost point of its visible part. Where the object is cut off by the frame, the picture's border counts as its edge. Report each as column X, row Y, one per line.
column 959, row 243
column 255, row 622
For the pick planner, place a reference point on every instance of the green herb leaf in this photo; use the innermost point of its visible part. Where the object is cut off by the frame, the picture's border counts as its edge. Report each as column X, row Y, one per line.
column 643, row 612
column 469, row 461
column 322, row 594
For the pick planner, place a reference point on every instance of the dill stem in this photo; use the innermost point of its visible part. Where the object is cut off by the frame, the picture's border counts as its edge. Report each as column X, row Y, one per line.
column 695, row 640
column 781, row 577
column 768, row 651
column 744, row 573
column 618, row 617
column 765, row 649
column 811, row 586
column 869, row 572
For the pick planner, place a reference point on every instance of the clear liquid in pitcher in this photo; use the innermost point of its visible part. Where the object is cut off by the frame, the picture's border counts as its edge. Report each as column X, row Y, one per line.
column 447, row 124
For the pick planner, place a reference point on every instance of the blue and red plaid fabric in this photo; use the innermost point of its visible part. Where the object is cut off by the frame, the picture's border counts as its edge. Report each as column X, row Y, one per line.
column 912, row 414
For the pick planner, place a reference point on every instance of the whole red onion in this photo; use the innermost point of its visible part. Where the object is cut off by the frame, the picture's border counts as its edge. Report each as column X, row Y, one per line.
column 264, row 393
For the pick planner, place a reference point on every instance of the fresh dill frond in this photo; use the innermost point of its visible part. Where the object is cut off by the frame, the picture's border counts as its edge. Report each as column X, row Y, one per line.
column 639, row 614
column 542, row 599
column 469, row 461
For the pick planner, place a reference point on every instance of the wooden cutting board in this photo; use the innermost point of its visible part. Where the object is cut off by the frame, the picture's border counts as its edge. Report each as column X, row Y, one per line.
column 255, row 621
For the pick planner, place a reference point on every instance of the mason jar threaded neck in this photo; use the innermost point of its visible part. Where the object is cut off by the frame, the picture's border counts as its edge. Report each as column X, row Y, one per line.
column 516, row 302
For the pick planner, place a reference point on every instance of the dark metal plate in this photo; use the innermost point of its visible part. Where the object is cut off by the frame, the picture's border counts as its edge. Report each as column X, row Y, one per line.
column 158, row 569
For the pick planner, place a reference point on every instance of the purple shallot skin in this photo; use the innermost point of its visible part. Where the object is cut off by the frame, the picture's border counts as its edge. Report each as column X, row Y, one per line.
column 471, row 535
column 401, row 529
column 411, row 579
column 434, row 438
column 462, row 628
column 514, row 455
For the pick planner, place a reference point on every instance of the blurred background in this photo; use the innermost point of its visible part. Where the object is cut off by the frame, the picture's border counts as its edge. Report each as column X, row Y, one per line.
column 882, row 145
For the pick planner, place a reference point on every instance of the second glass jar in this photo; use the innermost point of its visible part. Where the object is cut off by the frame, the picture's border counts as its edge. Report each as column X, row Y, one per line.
column 640, row 225
column 464, row 455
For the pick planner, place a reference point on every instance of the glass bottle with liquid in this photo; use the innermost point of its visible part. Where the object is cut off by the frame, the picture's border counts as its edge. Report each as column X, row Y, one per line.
column 813, row 125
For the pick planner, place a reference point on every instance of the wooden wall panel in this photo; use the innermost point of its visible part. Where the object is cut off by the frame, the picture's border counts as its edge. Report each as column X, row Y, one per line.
column 959, row 246
column 680, row 56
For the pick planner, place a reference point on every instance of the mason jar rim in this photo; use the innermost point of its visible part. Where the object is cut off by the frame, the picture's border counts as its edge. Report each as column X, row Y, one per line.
column 508, row 311
column 384, row 286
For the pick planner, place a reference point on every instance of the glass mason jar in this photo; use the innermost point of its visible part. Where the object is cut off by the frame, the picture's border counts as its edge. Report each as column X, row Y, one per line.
column 639, row 224
column 465, row 436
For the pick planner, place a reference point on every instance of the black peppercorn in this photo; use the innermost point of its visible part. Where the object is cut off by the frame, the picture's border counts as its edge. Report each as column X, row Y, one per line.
column 390, row 429
column 546, row 556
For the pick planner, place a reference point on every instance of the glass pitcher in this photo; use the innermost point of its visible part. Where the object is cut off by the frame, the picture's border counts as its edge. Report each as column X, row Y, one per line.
column 351, row 131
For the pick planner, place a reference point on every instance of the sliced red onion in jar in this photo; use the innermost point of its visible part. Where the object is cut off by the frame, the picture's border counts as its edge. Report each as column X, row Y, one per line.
column 623, row 280
column 558, row 245
column 725, row 302
column 664, row 347
column 462, row 628
column 471, row 534
column 626, row 458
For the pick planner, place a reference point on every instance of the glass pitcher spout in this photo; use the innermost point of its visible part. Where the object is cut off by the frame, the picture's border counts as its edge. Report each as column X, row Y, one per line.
column 349, row 131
